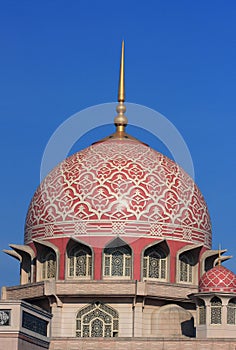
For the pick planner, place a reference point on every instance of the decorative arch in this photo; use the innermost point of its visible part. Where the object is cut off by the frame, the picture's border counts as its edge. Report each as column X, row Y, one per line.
column 155, row 261
column 187, row 264
column 117, row 259
column 216, row 310
column 48, row 265
column 97, row 320
column 47, row 260
column 79, row 260
column 231, row 311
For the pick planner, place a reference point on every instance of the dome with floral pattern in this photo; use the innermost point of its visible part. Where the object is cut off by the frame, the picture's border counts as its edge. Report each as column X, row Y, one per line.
column 119, row 186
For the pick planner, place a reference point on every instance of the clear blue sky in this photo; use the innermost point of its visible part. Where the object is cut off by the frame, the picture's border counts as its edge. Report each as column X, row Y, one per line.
column 59, row 57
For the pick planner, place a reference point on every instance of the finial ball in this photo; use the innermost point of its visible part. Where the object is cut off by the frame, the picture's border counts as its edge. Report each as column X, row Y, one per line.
column 121, row 120
column 120, row 108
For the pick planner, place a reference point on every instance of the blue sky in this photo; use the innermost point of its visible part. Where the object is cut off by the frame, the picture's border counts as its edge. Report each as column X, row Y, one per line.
column 59, row 57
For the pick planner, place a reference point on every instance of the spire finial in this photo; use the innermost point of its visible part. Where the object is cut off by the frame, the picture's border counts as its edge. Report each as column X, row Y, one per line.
column 121, row 92
column 121, row 120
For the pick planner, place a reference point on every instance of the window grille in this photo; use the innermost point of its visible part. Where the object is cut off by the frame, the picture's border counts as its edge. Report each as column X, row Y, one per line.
column 49, row 266
column 231, row 311
column 155, row 263
column 79, row 262
column 97, row 320
column 202, row 312
column 117, row 262
column 185, row 269
column 216, row 310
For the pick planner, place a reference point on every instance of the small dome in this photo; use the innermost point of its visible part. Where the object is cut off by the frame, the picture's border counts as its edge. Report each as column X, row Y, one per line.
column 119, row 184
column 218, row 279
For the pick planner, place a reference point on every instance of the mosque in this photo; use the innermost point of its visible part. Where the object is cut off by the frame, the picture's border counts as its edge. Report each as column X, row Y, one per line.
column 117, row 255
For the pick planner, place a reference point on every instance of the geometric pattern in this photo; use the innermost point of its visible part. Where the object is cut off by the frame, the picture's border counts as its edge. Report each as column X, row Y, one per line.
column 117, row 261
column 218, row 279
column 120, row 184
column 97, row 320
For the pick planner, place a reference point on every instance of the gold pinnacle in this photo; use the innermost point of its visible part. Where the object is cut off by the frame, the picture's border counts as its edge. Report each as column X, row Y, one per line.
column 121, row 120
column 121, row 92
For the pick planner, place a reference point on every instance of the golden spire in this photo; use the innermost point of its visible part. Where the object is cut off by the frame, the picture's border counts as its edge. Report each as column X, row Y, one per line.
column 121, row 120
column 121, row 92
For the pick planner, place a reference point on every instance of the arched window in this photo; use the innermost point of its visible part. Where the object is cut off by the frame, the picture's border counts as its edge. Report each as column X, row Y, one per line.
column 97, row 320
column 185, row 268
column 117, row 260
column 201, row 312
column 155, row 263
column 79, row 261
column 216, row 310
column 231, row 311
column 187, row 264
column 49, row 265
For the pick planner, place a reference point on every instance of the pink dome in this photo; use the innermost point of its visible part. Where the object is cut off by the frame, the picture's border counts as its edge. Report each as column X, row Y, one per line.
column 218, row 279
column 119, row 186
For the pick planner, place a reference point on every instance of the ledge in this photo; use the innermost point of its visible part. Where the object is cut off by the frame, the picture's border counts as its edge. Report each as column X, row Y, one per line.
column 141, row 343
column 105, row 288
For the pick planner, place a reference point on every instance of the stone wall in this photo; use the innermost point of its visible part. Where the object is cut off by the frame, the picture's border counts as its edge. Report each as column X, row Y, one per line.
column 23, row 326
column 142, row 344
column 105, row 287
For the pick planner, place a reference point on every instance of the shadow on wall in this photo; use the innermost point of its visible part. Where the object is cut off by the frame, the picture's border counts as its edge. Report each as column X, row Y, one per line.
column 188, row 328
column 172, row 321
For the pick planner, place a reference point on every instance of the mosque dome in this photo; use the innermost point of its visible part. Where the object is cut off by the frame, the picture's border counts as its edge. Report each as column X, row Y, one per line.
column 119, row 186
column 218, row 279
column 123, row 186
column 116, row 238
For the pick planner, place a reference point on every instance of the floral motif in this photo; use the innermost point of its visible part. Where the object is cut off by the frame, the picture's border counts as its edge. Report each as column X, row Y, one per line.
column 119, row 180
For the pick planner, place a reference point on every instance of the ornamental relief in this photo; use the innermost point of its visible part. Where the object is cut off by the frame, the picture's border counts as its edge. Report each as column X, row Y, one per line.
column 5, row 317
column 124, row 181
